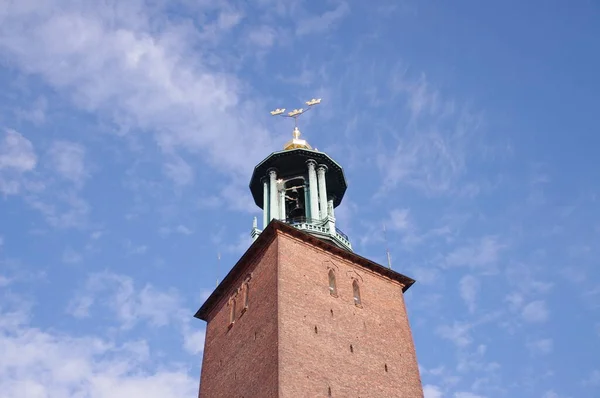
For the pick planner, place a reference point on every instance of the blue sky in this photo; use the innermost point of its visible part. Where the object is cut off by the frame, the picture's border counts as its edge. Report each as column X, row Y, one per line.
column 128, row 134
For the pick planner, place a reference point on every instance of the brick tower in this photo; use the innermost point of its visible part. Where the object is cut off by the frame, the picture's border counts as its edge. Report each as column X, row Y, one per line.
column 300, row 314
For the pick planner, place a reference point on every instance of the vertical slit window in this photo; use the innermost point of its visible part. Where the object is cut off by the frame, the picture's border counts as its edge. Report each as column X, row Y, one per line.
column 246, row 295
column 356, row 291
column 332, row 285
column 232, row 312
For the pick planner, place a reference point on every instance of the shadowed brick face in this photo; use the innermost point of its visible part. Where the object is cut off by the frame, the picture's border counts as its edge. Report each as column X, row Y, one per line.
column 309, row 343
column 241, row 360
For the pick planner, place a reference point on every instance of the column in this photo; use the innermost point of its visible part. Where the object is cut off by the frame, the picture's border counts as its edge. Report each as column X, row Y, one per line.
column 322, row 190
column 331, row 218
column 282, row 203
column 273, row 199
column 306, row 200
column 330, row 207
column 313, row 204
column 255, row 232
column 265, row 203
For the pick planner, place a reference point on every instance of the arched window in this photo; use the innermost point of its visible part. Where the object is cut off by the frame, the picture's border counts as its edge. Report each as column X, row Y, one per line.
column 356, row 292
column 246, row 295
column 232, row 312
column 332, row 285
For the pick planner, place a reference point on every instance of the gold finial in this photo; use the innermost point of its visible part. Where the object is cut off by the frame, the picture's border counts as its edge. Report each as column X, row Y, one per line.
column 296, row 142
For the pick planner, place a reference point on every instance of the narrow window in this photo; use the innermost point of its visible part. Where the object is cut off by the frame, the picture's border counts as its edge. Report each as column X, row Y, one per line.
column 332, row 286
column 356, row 291
column 232, row 312
column 386, row 367
column 316, row 330
column 329, row 391
column 246, row 295
column 351, row 348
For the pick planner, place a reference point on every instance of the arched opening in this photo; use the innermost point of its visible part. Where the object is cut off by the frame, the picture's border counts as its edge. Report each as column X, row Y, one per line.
column 232, row 312
column 246, row 295
column 356, row 293
column 295, row 200
column 332, row 284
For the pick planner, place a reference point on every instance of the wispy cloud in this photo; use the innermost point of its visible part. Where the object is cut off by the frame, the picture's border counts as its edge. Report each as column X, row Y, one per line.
column 17, row 157
column 432, row 391
column 469, row 287
column 324, row 22
column 49, row 363
column 70, row 256
column 541, row 346
column 68, row 160
column 535, row 311
column 482, row 254
column 179, row 229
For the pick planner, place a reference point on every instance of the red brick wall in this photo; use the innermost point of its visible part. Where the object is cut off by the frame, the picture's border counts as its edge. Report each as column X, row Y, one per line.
column 241, row 361
column 311, row 362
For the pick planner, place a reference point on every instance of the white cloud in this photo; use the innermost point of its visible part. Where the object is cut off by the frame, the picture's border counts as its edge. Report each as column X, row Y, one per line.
column 262, row 36
column 70, row 256
column 17, row 157
column 135, row 249
column 467, row 395
column 4, row 281
column 179, row 229
column 550, row 394
column 132, row 306
column 241, row 245
column 129, row 304
column 399, row 219
column 479, row 254
column 469, row 286
column 323, row 22
column 37, row 363
column 593, row 379
column 431, row 391
column 536, row 311
column 426, row 275
column 66, row 210
column 193, row 341
column 458, row 333
column 68, row 160
column 179, row 171
column 541, row 346
column 141, row 75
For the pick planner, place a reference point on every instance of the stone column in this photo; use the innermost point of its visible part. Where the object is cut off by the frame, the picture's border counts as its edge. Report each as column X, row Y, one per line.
column 322, row 191
column 306, row 200
column 255, row 232
column 330, row 208
column 265, row 203
column 282, row 204
column 313, row 205
column 273, row 199
column 330, row 218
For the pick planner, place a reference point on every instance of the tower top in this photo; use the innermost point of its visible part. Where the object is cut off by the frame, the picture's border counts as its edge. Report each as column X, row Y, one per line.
column 300, row 186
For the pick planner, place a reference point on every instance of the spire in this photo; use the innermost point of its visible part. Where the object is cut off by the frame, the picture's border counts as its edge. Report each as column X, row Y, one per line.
column 296, row 142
